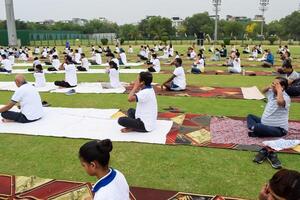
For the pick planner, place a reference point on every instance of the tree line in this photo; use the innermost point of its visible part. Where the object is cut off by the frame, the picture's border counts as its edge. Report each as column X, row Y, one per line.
column 160, row 28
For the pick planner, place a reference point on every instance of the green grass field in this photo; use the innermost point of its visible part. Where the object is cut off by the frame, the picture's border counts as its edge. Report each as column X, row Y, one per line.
column 183, row 168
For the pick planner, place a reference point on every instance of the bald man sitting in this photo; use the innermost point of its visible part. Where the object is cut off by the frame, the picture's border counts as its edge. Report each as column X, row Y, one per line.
column 29, row 101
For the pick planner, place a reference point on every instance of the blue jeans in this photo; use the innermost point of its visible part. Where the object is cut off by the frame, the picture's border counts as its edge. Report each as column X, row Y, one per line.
column 196, row 70
column 16, row 116
column 261, row 130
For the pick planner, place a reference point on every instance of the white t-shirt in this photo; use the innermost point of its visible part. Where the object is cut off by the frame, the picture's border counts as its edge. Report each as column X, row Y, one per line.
column 56, row 64
column 11, row 58
column 44, row 54
column 237, row 65
column 6, row 64
column 77, row 57
column 146, row 108
column 179, row 80
column 117, row 189
column 123, row 58
column 40, row 80
column 85, row 63
column 156, row 64
column 71, row 76
column 23, row 57
column 36, row 50
column 114, row 78
column 130, row 50
column 193, row 55
column 36, row 62
column 30, row 101
column 98, row 58
column 79, row 50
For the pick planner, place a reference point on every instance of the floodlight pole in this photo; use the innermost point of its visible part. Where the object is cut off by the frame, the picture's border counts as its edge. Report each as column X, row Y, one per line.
column 11, row 23
column 263, row 8
column 216, row 4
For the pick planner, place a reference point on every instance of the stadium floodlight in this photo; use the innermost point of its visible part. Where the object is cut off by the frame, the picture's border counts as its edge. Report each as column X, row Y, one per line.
column 11, row 23
column 216, row 5
column 263, row 7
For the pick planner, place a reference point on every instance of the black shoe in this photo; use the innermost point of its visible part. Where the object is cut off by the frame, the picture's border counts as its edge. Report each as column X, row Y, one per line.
column 261, row 156
column 251, row 134
column 274, row 161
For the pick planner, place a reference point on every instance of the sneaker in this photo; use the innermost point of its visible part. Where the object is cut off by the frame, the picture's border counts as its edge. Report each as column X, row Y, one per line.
column 261, row 156
column 274, row 161
column 71, row 92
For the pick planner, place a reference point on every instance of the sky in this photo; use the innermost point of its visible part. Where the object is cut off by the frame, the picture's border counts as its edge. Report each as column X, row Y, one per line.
column 132, row 11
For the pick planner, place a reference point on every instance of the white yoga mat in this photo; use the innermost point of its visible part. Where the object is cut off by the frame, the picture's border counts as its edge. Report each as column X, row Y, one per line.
column 91, row 71
column 252, row 93
column 127, row 65
column 85, row 123
column 82, row 88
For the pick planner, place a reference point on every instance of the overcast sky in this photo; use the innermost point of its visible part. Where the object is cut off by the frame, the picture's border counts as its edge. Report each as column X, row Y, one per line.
column 131, row 11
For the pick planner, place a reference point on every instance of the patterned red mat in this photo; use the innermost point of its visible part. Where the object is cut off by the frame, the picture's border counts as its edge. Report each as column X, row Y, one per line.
column 34, row 188
column 204, row 92
column 207, row 131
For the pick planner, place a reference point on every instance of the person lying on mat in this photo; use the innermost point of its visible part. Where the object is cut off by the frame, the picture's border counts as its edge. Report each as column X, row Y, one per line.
column 85, row 64
column 94, row 157
column 284, row 185
column 144, row 118
column 177, row 82
column 274, row 121
column 29, row 100
column 70, row 75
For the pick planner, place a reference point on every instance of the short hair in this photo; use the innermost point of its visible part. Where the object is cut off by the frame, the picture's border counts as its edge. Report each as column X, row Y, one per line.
column 110, row 55
column 146, row 77
column 179, row 61
column 39, row 67
column 36, row 58
column 154, row 55
column 3, row 56
column 55, row 57
column 283, row 82
column 82, row 54
column 286, row 184
column 69, row 59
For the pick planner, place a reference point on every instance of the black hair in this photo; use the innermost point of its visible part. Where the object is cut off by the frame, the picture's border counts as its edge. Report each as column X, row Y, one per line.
column 179, row 61
column 82, row 55
column 69, row 59
column 39, row 67
column 55, row 57
column 287, row 64
column 96, row 150
column 286, row 184
column 3, row 56
column 112, row 64
column 283, row 82
column 154, row 55
column 146, row 77
column 36, row 58
column 110, row 55
column 76, row 50
column 200, row 55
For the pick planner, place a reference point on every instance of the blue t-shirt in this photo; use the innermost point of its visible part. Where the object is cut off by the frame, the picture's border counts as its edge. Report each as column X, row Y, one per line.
column 270, row 58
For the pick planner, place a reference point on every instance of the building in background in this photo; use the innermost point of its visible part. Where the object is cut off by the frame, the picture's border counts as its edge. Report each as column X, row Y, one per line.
column 237, row 18
column 176, row 22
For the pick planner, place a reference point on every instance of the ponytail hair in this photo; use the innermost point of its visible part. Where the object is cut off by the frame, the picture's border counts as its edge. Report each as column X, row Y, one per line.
column 96, row 150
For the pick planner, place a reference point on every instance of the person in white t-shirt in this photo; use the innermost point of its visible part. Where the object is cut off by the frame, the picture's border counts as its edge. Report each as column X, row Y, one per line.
column 6, row 65
column 77, row 57
column 111, row 57
column 123, row 57
column 55, row 64
column 70, row 76
column 96, row 59
column 85, row 64
column 199, row 65
column 35, row 63
column 111, row 185
column 130, row 49
column 178, row 81
column 11, row 58
column 44, row 54
column 144, row 117
column 114, row 80
column 154, row 66
column 80, row 49
column 39, row 75
column 29, row 100
column 236, row 68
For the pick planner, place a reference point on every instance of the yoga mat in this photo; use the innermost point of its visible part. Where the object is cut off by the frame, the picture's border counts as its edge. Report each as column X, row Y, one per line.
column 252, row 93
column 91, row 71
column 85, row 123
column 82, row 88
column 127, row 65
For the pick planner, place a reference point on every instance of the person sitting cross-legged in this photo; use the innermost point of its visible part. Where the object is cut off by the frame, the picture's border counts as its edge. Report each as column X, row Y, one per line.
column 29, row 101
column 70, row 76
column 144, row 118
column 178, row 81
column 274, row 121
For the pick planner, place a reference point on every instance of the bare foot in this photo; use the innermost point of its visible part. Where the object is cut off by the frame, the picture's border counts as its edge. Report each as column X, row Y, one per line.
column 6, row 120
column 126, row 130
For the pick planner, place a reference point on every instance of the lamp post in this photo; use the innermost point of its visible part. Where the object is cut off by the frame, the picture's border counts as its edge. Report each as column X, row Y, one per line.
column 216, row 5
column 263, row 8
column 11, row 23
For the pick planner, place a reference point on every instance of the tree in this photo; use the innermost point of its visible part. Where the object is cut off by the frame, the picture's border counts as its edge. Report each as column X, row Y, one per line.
column 128, row 31
column 291, row 25
column 200, row 22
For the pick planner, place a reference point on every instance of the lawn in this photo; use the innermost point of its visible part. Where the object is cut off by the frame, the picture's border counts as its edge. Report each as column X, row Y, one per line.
column 183, row 168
